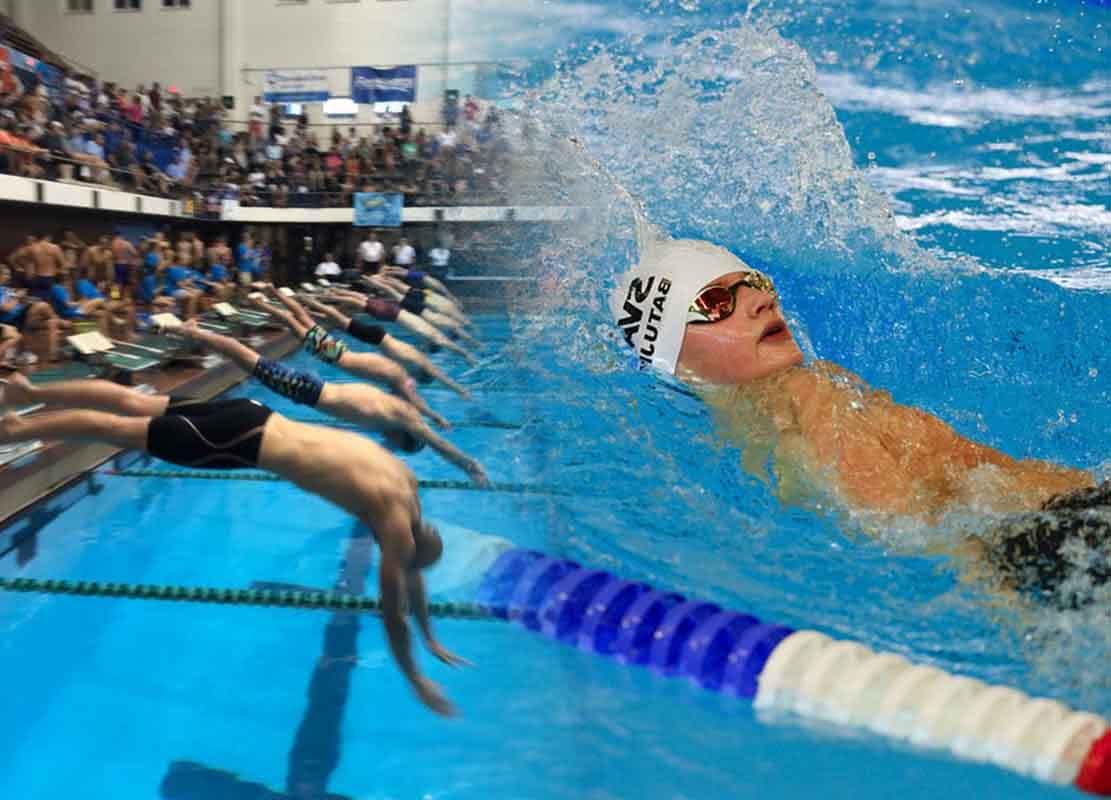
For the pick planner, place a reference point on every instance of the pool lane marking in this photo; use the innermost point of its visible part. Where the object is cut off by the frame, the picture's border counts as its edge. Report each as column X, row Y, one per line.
column 317, row 745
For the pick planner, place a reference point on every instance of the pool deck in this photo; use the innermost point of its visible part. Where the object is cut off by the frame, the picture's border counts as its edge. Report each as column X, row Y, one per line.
column 55, row 466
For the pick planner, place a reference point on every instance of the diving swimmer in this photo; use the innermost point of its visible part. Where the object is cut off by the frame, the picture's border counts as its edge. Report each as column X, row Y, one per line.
column 396, row 419
column 342, row 467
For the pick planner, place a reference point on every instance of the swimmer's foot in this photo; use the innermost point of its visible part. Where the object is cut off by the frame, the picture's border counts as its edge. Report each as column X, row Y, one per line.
column 16, row 391
column 12, row 428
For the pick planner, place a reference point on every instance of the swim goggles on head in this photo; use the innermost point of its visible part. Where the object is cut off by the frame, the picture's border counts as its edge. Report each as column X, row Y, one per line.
column 715, row 303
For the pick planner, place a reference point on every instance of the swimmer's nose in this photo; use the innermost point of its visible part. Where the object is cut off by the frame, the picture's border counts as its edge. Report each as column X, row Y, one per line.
column 754, row 302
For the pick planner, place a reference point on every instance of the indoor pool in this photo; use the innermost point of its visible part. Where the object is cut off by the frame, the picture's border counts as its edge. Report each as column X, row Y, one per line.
column 139, row 699
column 927, row 183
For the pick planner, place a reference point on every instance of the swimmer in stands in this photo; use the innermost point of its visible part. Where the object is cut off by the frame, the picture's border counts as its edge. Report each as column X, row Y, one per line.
column 342, row 467
column 696, row 311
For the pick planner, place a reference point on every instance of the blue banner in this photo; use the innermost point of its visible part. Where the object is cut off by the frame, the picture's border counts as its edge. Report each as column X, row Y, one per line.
column 394, row 85
column 377, row 210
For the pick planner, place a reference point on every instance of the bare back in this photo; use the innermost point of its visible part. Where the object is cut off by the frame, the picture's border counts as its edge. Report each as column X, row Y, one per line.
column 47, row 259
column 827, row 429
column 344, row 468
column 123, row 251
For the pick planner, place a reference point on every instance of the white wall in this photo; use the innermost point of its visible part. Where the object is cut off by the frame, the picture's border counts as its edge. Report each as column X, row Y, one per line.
column 320, row 33
column 206, row 49
column 174, row 47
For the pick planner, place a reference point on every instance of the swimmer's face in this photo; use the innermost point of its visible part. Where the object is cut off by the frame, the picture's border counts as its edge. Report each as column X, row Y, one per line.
column 751, row 343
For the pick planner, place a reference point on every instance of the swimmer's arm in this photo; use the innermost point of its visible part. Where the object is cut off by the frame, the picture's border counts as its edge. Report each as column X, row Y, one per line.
column 412, row 357
column 334, row 314
column 397, row 549
column 448, row 451
column 286, row 318
column 418, row 605
column 379, row 283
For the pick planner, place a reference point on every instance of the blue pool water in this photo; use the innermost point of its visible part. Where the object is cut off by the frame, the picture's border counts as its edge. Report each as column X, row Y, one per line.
column 929, row 184
column 108, row 694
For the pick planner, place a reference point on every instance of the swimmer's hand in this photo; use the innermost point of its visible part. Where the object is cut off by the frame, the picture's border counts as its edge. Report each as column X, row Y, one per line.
column 477, row 474
column 432, row 696
column 445, row 655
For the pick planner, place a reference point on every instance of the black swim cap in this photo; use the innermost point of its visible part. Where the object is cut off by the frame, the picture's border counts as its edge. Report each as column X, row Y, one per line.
column 404, row 441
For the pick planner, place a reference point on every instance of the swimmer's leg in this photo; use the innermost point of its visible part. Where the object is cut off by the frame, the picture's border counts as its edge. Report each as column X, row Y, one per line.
column 445, row 322
column 98, row 394
column 127, row 433
column 437, row 285
column 426, row 330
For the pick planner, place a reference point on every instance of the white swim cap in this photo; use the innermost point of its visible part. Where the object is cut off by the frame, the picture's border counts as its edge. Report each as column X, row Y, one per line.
column 651, row 302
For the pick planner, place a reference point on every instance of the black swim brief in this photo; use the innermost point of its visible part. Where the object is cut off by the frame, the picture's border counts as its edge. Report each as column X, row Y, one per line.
column 1037, row 552
column 365, row 332
column 413, row 301
column 42, row 287
column 219, row 434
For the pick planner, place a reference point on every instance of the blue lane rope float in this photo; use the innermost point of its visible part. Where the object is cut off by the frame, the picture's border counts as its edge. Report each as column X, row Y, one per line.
column 799, row 671
column 777, row 667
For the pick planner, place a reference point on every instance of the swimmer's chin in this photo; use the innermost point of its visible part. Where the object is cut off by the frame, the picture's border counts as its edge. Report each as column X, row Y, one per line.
column 697, row 380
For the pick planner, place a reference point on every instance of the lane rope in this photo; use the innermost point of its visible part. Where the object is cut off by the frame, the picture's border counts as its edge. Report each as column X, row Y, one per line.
column 254, row 475
column 330, row 601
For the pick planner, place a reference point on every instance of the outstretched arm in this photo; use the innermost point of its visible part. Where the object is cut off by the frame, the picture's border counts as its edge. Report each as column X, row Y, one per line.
column 294, row 307
column 397, row 549
column 427, row 330
column 418, row 605
column 449, row 452
column 244, row 357
column 299, row 330
column 338, row 317
column 391, row 290
column 415, row 359
column 353, row 300
column 382, row 369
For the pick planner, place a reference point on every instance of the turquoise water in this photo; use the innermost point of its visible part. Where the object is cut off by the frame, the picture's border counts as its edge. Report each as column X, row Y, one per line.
column 928, row 183
column 107, row 695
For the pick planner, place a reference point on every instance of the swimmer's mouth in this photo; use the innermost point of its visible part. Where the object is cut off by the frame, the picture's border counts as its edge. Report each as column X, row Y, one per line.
column 775, row 330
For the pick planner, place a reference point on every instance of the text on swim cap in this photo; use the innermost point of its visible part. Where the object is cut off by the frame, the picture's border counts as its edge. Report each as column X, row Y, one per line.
column 638, row 294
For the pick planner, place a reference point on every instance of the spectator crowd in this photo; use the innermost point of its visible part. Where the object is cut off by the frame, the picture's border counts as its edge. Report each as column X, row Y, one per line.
column 155, row 141
column 51, row 285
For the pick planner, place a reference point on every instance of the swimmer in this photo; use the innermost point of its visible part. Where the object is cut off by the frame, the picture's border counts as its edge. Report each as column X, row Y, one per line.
column 127, row 260
column 318, row 343
column 378, row 411
column 47, row 261
column 422, row 280
column 435, row 293
column 27, row 317
column 410, row 357
column 391, row 311
column 696, row 311
column 427, row 305
column 342, row 467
